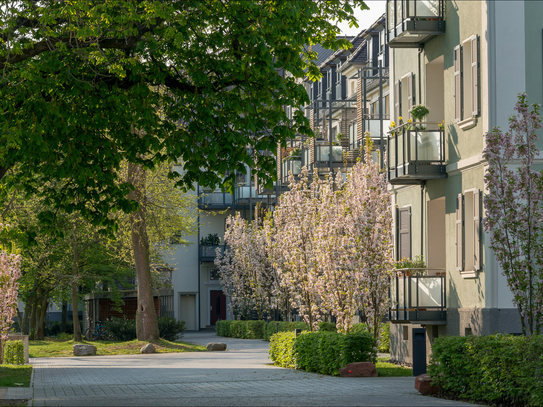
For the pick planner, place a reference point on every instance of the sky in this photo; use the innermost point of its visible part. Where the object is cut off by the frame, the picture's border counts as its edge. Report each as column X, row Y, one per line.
column 365, row 17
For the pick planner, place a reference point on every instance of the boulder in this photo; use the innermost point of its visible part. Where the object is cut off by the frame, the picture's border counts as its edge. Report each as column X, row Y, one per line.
column 149, row 348
column 358, row 369
column 216, row 346
column 84, row 350
column 423, row 383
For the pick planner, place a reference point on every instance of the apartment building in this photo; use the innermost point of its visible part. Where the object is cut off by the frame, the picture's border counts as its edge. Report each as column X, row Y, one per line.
column 466, row 61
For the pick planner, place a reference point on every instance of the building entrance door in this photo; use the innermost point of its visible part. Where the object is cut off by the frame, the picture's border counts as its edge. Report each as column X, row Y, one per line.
column 217, row 306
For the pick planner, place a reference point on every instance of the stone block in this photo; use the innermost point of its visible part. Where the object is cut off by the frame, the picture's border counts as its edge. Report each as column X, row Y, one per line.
column 149, row 348
column 358, row 369
column 423, row 384
column 216, row 346
column 84, row 350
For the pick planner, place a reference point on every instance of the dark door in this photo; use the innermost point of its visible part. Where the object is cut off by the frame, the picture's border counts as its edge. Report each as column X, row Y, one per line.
column 217, row 306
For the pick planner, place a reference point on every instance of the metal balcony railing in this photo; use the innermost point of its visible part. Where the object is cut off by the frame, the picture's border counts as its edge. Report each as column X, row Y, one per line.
column 416, row 152
column 209, row 252
column 418, row 295
column 214, row 199
column 414, row 22
column 293, row 164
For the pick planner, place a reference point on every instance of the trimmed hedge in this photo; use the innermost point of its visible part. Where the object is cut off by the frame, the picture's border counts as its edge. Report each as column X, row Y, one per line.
column 122, row 329
column 255, row 329
column 384, row 338
column 321, row 352
column 14, row 353
column 495, row 369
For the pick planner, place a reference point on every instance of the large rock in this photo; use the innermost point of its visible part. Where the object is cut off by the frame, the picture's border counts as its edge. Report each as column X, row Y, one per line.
column 423, row 383
column 216, row 346
column 358, row 369
column 149, row 348
column 84, row 350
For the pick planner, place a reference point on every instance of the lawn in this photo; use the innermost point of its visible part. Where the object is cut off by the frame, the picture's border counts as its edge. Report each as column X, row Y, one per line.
column 52, row 347
column 387, row 369
column 15, row 376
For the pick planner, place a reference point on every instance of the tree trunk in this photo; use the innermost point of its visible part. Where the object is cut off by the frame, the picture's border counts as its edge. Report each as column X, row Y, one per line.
column 33, row 319
column 146, row 320
column 75, row 272
column 41, row 318
column 63, row 317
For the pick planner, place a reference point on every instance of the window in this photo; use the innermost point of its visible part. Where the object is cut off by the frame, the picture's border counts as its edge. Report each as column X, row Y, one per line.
column 353, row 127
column 338, row 75
column 403, row 227
column 329, row 77
column 468, row 231
column 320, row 87
column 386, row 107
column 466, row 79
column 404, row 97
column 405, row 332
column 213, row 274
column 353, row 88
column 382, row 40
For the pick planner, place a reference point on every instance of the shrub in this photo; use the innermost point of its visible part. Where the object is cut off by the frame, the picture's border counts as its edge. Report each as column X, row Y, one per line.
column 222, row 327
column 254, row 329
column 274, row 327
column 495, row 369
column 63, row 336
column 54, row 328
column 327, row 326
column 384, row 337
column 121, row 329
column 170, row 328
column 14, row 353
column 282, row 349
column 321, row 352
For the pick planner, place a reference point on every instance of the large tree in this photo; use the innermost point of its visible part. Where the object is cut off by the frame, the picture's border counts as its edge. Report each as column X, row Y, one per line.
column 86, row 85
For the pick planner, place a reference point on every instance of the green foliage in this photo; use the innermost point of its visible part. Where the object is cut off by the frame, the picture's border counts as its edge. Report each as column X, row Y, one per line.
column 54, row 328
column 210, row 240
column 170, row 328
column 121, row 329
column 327, row 326
column 282, row 349
column 222, row 327
column 416, row 263
column 321, row 352
column 419, row 112
column 14, row 353
column 274, row 327
column 495, row 369
column 384, row 335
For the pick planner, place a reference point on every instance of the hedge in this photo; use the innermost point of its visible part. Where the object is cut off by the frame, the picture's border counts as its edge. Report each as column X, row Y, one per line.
column 495, row 369
column 122, row 329
column 14, row 353
column 255, row 329
column 384, row 337
column 322, row 352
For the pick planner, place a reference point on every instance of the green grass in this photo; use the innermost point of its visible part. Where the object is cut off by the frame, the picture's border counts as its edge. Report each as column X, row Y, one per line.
column 52, row 347
column 387, row 369
column 15, row 375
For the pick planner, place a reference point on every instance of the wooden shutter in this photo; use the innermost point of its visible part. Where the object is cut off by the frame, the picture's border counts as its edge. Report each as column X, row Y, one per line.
column 410, row 94
column 457, row 85
column 404, row 233
column 459, row 233
column 474, row 76
column 397, row 99
column 476, row 231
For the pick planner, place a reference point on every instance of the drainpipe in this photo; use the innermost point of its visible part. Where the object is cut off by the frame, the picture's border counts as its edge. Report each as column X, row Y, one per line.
column 422, row 190
column 199, row 270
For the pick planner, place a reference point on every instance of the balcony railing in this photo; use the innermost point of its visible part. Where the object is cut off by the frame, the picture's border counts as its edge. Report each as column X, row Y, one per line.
column 414, row 22
column 214, row 199
column 419, row 298
column 209, row 252
column 294, row 165
column 416, row 152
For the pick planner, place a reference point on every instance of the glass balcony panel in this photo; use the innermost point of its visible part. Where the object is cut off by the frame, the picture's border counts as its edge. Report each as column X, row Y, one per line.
column 401, row 293
column 399, row 14
column 306, row 157
column 426, row 8
column 400, row 141
column 428, row 144
column 392, row 153
column 375, row 129
column 322, row 153
column 390, row 15
column 429, row 291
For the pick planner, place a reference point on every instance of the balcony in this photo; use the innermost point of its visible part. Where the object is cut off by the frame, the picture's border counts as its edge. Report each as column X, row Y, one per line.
column 416, row 153
column 420, row 298
column 324, row 155
column 293, row 164
column 245, row 194
column 214, row 199
column 209, row 252
column 414, row 22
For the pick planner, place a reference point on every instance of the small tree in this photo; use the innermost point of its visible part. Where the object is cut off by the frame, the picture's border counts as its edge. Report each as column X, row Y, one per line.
column 513, row 210
column 10, row 272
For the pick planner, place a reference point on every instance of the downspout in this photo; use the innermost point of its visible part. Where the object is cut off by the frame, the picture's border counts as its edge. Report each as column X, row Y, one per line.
column 199, row 271
column 422, row 191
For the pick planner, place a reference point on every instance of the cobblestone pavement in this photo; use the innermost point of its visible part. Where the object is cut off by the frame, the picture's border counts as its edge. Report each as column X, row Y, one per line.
column 240, row 376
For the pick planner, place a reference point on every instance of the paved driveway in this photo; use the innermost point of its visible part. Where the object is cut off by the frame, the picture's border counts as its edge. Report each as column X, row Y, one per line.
column 240, row 376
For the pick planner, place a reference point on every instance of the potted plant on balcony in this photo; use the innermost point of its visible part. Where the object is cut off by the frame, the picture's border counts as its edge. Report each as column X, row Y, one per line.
column 411, row 267
column 418, row 113
column 343, row 139
column 294, row 154
column 212, row 239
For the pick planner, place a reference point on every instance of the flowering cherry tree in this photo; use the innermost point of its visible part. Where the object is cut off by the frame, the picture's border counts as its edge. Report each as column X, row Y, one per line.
column 513, row 210
column 368, row 225
column 10, row 272
column 291, row 246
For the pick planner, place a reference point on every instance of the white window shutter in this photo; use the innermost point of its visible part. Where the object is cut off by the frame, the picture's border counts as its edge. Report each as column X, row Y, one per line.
column 474, row 76
column 409, row 94
column 457, row 85
column 476, row 231
column 459, row 234
column 397, row 99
